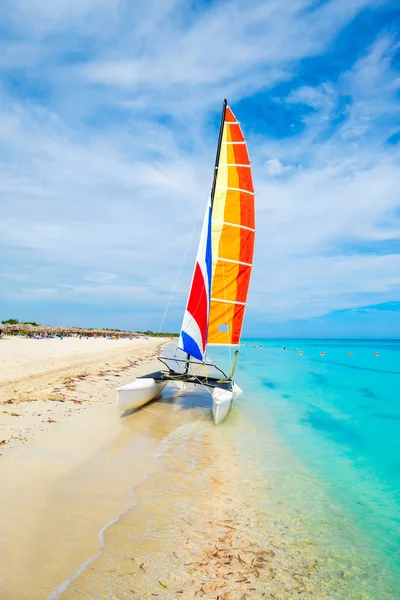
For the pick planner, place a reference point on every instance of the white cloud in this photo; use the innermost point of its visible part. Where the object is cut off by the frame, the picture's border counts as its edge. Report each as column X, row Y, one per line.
column 13, row 276
column 100, row 277
column 315, row 97
column 329, row 228
column 102, row 211
column 185, row 65
column 275, row 168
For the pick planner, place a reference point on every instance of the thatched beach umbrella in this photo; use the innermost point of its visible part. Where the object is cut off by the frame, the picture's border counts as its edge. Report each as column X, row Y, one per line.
column 10, row 328
column 27, row 328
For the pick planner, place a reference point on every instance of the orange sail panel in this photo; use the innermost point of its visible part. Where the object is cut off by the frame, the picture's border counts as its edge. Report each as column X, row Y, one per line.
column 232, row 235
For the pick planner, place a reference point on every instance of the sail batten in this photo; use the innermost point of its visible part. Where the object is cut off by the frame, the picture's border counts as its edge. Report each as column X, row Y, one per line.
column 233, row 165
column 224, row 187
column 234, row 225
column 218, row 294
column 227, row 302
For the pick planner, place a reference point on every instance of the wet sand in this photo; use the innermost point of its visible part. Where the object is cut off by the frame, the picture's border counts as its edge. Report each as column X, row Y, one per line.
column 206, row 525
column 194, row 533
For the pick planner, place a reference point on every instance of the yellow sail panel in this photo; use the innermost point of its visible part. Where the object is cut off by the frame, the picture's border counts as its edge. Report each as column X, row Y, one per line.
column 232, row 234
column 236, row 247
column 222, row 313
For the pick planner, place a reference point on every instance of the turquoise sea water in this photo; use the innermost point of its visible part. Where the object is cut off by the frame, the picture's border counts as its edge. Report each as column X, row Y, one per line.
column 340, row 415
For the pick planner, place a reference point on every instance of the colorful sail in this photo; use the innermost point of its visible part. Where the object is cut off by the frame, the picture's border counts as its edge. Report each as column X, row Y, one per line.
column 233, row 232
column 218, row 294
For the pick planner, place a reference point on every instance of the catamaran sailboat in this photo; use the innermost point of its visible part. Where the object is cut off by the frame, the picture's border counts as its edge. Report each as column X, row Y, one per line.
column 218, row 293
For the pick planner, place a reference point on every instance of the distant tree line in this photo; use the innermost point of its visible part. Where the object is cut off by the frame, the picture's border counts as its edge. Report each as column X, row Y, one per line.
column 158, row 334
column 16, row 322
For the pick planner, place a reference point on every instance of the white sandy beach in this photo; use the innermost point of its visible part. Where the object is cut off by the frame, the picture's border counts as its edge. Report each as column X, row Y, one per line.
column 64, row 453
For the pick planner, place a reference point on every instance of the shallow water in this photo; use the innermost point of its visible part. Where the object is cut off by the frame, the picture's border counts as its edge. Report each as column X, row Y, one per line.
column 339, row 413
column 303, row 476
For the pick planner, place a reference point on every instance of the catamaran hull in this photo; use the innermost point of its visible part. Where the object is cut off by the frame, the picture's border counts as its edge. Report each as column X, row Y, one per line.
column 222, row 400
column 148, row 387
column 138, row 393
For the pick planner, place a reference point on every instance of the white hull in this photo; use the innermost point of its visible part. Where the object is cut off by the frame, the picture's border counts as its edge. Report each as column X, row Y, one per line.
column 139, row 392
column 222, row 400
column 144, row 390
column 236, row 389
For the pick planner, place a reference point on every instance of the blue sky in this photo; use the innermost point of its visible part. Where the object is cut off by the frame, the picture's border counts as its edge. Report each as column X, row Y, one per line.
column 109, row 114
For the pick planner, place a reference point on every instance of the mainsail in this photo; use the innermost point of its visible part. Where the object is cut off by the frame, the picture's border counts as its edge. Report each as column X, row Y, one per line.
column 217, row 298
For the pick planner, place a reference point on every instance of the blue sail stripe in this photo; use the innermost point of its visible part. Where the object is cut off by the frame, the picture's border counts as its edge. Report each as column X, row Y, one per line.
column 190, row 346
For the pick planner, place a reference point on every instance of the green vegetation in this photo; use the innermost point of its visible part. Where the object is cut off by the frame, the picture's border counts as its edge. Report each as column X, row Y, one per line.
column 161, row 334
column 10, row 322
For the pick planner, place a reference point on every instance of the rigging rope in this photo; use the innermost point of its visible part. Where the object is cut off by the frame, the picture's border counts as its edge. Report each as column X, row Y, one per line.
column 144, row 368
column 179, row 271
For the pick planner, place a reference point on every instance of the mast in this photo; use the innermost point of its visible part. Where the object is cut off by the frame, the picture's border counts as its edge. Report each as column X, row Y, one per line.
column 221, row 132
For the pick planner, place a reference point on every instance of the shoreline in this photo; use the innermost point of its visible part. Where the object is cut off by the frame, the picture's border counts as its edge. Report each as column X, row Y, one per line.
column 212, row 542
column 66, row 454
column 206, row 524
